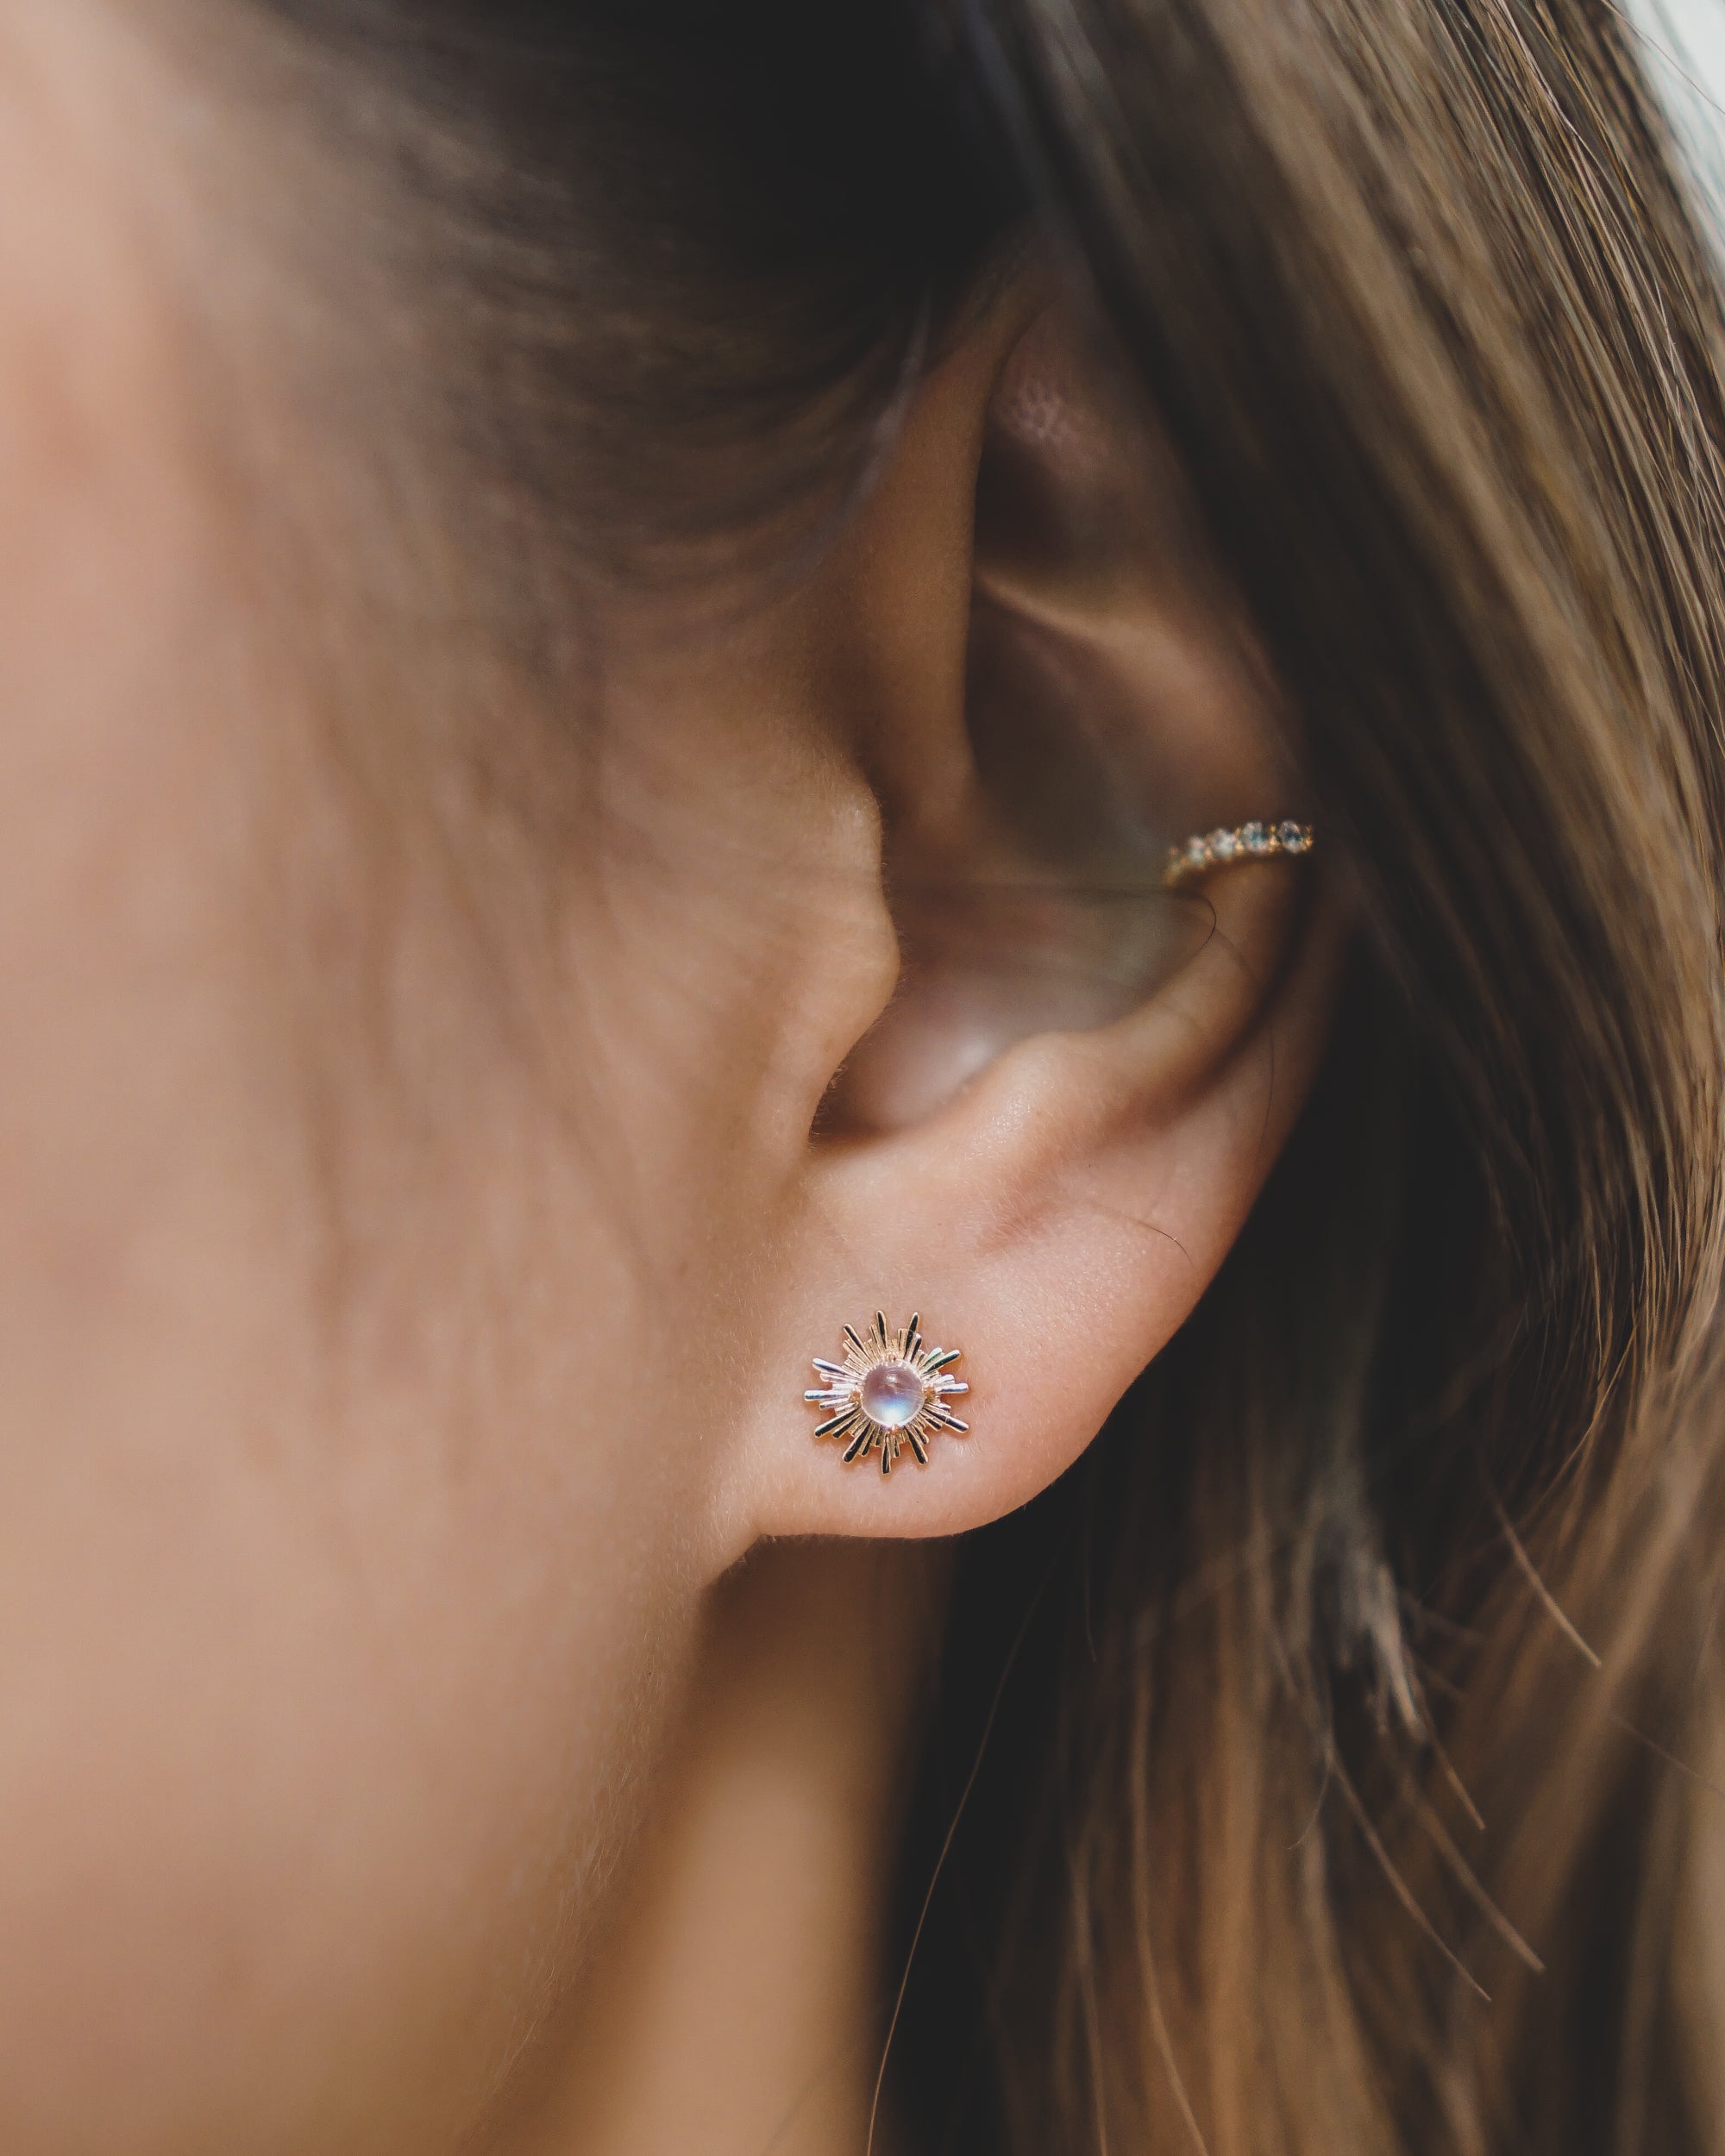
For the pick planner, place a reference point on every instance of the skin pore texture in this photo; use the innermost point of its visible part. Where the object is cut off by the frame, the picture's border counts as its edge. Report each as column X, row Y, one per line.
column 433, row 1149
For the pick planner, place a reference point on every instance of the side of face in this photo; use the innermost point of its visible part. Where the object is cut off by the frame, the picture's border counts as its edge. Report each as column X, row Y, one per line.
column 419, row 1214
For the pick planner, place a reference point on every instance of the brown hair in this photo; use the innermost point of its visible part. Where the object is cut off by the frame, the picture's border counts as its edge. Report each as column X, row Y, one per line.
column 1347, row 1709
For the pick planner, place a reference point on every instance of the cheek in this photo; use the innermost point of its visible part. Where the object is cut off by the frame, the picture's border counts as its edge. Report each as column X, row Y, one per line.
column 347, row 1474
column 344, row 1571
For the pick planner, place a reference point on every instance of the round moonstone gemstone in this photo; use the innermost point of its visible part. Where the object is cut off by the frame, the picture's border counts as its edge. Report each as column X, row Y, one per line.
column 892, row 1393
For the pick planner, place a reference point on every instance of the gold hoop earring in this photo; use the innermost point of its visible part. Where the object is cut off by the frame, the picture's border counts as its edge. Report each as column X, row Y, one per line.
column 1206, row 850
column 890, row 1391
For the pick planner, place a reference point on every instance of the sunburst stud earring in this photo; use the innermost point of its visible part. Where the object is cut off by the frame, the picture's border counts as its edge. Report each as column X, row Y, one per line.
column 890, row 1391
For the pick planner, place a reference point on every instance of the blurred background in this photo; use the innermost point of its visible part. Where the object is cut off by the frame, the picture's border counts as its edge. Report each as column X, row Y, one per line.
column 1684, row 46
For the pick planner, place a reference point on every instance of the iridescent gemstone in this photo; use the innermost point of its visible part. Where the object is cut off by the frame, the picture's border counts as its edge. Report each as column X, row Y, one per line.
column 891, row 1394
column 1226, row 844
column 1256, row 838
column 1293, row 837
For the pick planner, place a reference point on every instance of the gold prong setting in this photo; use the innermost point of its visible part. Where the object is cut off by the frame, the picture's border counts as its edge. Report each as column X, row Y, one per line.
column 890, row 1395
column 1206, row 851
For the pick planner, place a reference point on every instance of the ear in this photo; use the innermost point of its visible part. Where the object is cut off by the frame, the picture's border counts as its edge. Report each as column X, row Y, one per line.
column 1045, row 1146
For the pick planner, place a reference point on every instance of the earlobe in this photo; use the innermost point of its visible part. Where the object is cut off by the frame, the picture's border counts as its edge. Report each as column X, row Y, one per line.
column 1055, row 1225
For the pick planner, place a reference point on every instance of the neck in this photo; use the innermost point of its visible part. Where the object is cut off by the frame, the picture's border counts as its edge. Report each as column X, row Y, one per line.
column 739, row 2004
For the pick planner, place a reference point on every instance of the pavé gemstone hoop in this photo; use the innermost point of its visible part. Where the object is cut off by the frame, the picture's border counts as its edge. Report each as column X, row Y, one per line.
column 891, row 1391
column 1206, row 850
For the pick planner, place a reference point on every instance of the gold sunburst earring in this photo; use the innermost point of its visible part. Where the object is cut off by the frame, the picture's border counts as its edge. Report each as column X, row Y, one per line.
column 891, row 1391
